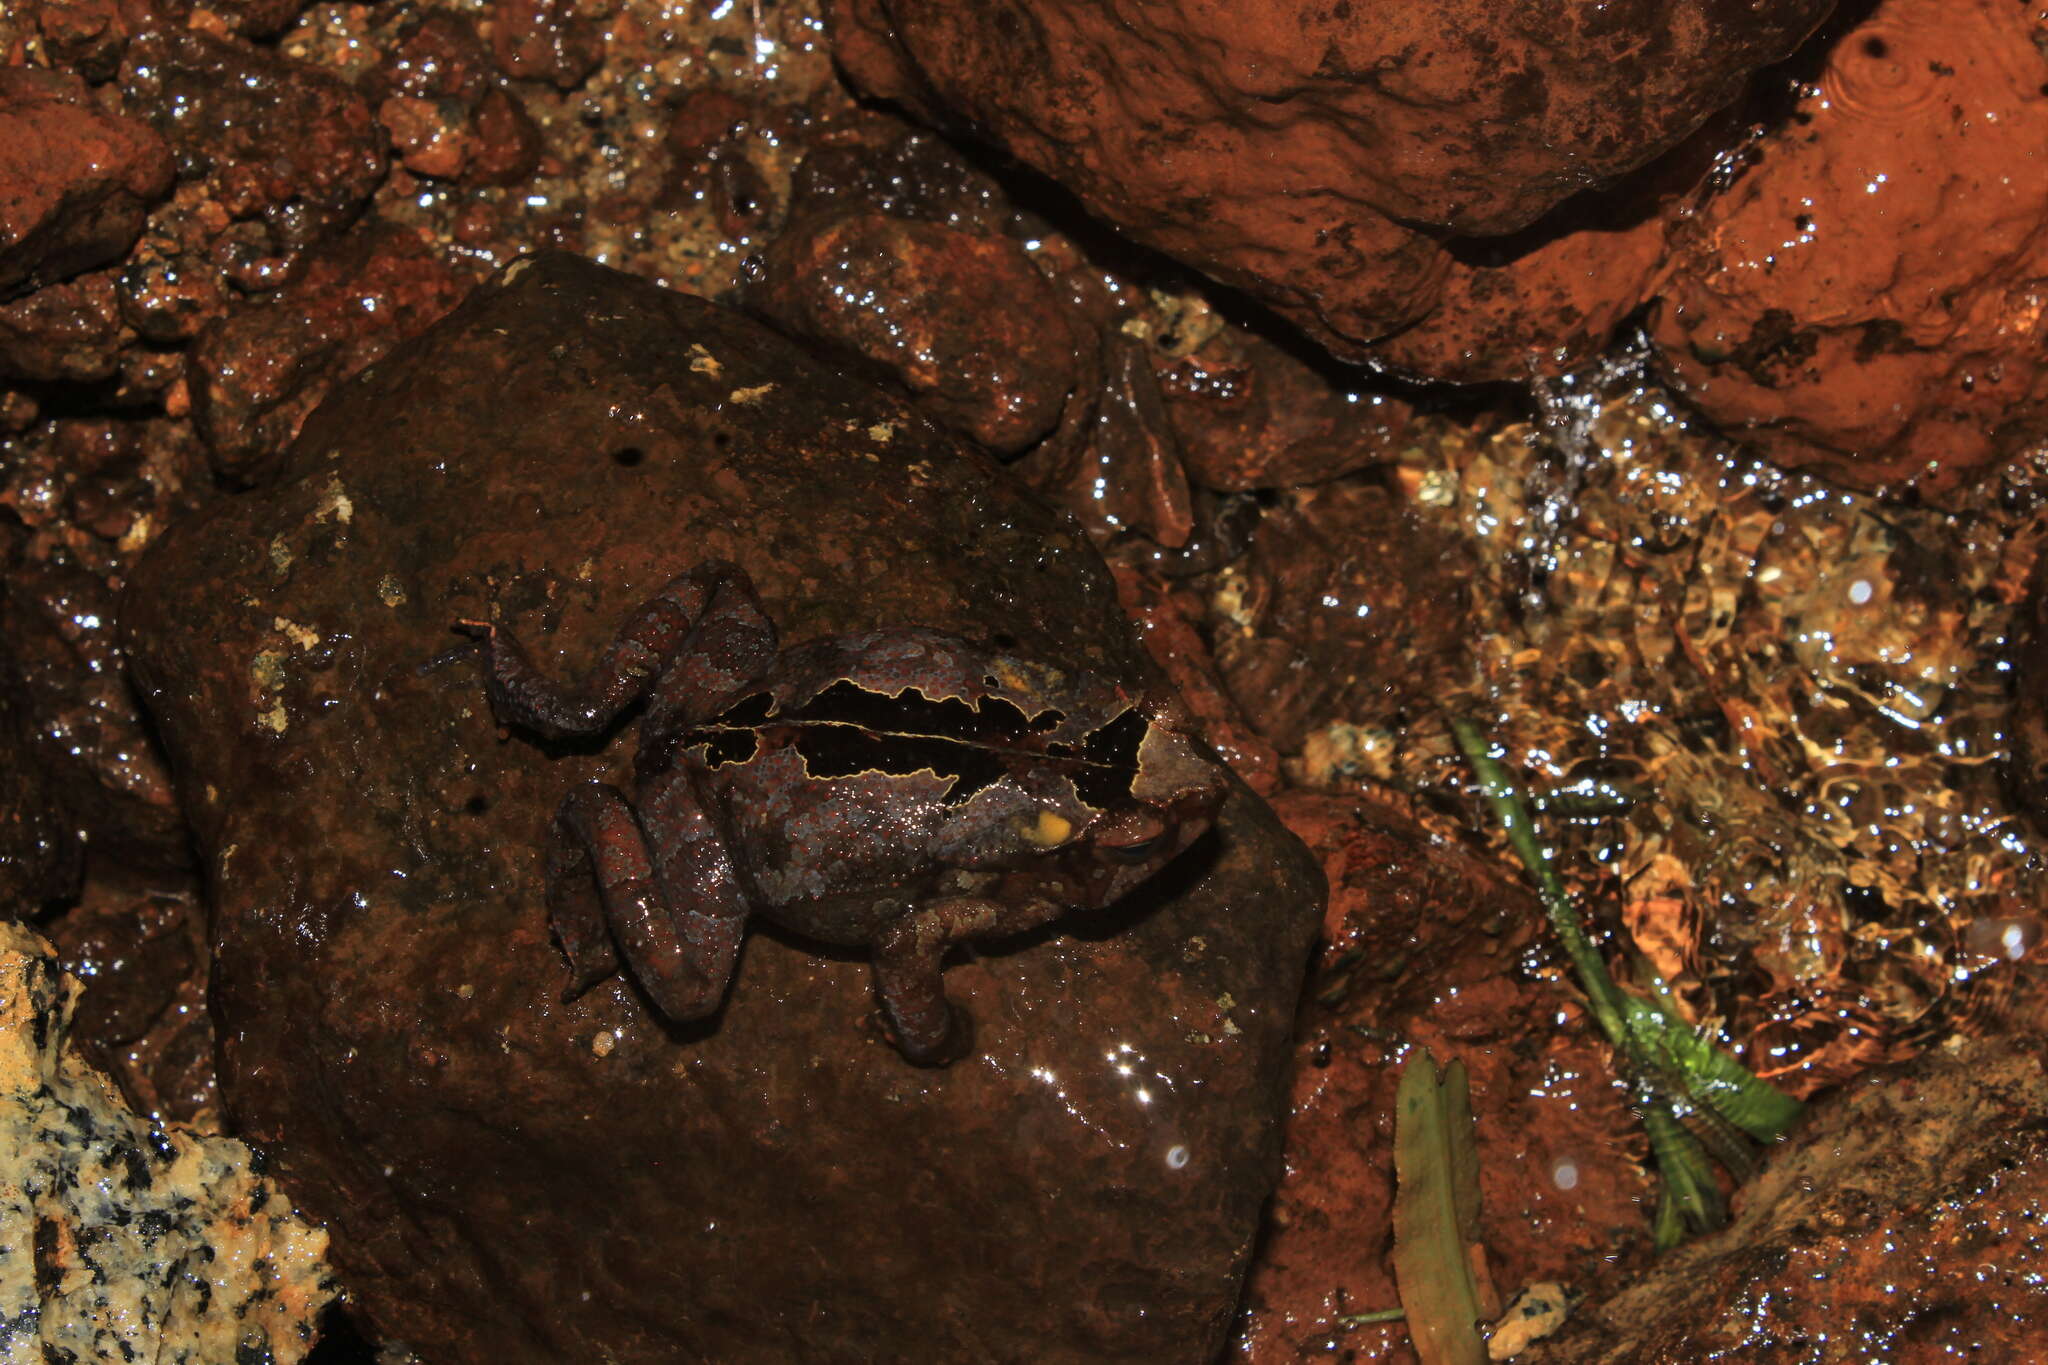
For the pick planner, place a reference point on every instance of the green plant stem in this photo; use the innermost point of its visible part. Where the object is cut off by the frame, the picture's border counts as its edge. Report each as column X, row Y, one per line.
column 1609, row 1008
column 1663, row 1055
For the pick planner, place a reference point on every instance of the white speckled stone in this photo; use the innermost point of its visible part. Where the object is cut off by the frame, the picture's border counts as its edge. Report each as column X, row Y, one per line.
column 121, row 1240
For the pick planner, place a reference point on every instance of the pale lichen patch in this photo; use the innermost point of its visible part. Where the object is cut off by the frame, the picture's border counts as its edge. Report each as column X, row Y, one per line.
column 303, row 636
column 752, row 395
column 266, row 671
column 139, row 533
column 335, row 503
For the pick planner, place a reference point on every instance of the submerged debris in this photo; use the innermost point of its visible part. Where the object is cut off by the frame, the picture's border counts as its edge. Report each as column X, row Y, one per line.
column 1768, row 714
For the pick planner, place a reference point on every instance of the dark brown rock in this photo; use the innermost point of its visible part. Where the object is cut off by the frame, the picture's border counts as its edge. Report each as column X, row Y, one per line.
column 1352, row 609
column 258, row 371
column 509, row 1177
column 41, row 858
column 1317, row 154
column 873, row 161
column 961, row 321
column 74, row 180
column 275, row 141
column 2026, row 762
column 1426, row 945
column 64, row 668
column 1865, row 299
column 258, row 18
column 142, row 1015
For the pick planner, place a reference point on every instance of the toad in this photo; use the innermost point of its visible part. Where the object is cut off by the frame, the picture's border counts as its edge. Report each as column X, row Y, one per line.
column 899, row 789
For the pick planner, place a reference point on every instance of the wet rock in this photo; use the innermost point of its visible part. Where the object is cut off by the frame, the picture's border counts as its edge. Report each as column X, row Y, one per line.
column 1425, row 945
column 63, row 667
column 1865, row 298
column 65, row 333
column 2025, row 768
column 41, row 858
column 1249, row 415
column 1313, row 155
column 704, row 119
column 546, row 40
column 259, row 370
column 86, row 36
column 258, row 18
column 122, row 1239
column 1350, row 609
column 962, row 322
column 1169, row 624
column 274, row 141
column 141, row 958
column 1543, row 302
column 874, row 161
column 74, row 180
column 88, row 493
column 168, row 291
column 1901, row 1221
column 509, row 1176
column 899, row 255
column 442, row 100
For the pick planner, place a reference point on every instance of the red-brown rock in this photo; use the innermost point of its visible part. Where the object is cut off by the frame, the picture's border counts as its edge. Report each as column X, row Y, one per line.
column 1543, row 302
column 1316, row 154
column 1168, row 623
column 509, row 1177
column 274, row 140
column 961, row 321
column 74, row 180
column 1866, row 298
column 86, row 36
column 258, row 371
column 441, row 99
column 258, row 18
column 1249, row 415
column 68, row 333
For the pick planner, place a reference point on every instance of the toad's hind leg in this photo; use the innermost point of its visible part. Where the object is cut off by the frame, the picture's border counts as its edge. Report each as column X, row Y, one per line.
column 713, row 602
column 668, row 904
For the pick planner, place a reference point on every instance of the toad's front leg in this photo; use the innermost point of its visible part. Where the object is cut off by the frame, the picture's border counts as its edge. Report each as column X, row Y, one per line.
column 929, row 1029
column 657, row 883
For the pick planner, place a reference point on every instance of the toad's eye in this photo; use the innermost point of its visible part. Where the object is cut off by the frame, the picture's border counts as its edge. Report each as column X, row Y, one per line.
column 1135, row 853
